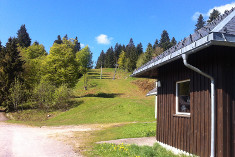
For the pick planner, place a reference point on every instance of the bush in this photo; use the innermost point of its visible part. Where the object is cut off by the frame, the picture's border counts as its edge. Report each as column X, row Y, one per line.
column 43, row 95
column 61, row 97
column 16, row 95
column 47, row 96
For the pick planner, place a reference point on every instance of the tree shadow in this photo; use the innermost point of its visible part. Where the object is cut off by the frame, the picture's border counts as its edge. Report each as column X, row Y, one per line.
column 103, row 95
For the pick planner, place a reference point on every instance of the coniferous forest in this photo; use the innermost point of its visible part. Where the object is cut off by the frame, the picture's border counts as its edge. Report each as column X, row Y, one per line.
column 129, row 57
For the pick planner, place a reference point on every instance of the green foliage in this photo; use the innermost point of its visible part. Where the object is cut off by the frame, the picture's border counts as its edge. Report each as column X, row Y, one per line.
column 77, row 46
column 60, row 66
column 84, row 60
column 122, row 150
column 109, row 58
column 200, row 23
column 157, row 51
column 11, row 67
column 132, row 130
column 58, row 40
column 61, row 97
column 23, row 37
column 43, row 95
column 100, row 61
column 34, row 51
column 140, row 60
column 213, row 15
column 131, row 55
column 121, row 60
column 156, row 44
column 16, row 94
column 139, row 49
column 165, row 40
column 149, row 53
column 173, row 41
column 117, row 51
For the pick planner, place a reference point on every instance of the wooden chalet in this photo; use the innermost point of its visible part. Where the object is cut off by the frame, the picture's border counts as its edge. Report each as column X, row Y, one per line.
column 196, row 90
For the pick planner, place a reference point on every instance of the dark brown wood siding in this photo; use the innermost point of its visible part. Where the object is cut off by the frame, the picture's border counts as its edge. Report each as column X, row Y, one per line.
column 192, row 134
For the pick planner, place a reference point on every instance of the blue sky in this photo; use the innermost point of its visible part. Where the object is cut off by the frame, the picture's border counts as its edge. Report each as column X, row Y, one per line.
column 102, row 23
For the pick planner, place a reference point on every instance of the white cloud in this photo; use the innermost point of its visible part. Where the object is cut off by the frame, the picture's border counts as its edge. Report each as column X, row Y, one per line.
column 103, row 39
column 221, row 9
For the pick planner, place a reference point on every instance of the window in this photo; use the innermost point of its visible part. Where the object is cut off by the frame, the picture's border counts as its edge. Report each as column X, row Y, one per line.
column 183, row 97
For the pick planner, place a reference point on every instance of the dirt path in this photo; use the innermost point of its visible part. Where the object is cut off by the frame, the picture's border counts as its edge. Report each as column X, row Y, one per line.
column 25, row 141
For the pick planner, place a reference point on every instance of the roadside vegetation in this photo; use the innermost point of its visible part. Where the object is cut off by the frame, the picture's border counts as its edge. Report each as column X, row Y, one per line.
column 121, row 150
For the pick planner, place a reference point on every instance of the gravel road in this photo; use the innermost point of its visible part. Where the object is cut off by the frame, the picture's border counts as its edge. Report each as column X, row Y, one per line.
column 25, row 141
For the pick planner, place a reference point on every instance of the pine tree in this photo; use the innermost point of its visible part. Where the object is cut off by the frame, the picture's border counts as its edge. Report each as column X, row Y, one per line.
column 23, row 37
column 109, row 58
column 173, row 41
column 11, row 68
column 139, row 49
column 117, row 51
column 148, row 53
column 213, row 15
column 58, row 41
column 77, row 45
column 156, row 44
column 100, row 60
column 165, row 40
column 200, row 23
column 132, row 56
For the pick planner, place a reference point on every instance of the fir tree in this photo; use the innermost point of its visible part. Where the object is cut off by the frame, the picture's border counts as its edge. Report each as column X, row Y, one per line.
column 117, row 51
column 100, row 60
column 77, row 45
column 58, row 41
column 131, row 55
column 109, row 58
column 173, row 41
column 139, row 49
column 213, row 15
column 156, row 44
column 23, row 37
column 165, row 40
column 12, row 68
column 200, row 23
column 148, row 53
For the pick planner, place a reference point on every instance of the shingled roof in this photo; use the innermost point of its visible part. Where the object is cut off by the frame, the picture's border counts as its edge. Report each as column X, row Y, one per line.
column 220, row 31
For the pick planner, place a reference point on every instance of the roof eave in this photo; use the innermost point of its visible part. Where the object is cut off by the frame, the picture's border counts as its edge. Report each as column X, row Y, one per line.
column 211, row 39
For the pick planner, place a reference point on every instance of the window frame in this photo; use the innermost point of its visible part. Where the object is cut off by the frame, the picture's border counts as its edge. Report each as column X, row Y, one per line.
column 177, row 99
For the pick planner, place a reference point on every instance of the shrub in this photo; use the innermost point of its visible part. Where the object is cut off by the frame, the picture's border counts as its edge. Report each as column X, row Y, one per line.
column 43, row 95
column 16, row 95
column 61, row 97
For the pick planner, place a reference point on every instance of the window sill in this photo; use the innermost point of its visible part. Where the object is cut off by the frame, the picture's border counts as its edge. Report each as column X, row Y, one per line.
column 181, row 115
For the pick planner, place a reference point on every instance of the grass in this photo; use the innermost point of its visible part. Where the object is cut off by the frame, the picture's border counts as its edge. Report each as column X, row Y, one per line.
column 132, row 130
column 121, row 150
column 105, row 101
column 119, row 102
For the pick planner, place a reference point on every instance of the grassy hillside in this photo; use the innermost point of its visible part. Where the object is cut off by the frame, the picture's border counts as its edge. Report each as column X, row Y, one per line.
column 108, row 101
column 105, row 101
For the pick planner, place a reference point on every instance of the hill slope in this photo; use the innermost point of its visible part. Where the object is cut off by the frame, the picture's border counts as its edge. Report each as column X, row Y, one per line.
column 107, row 101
